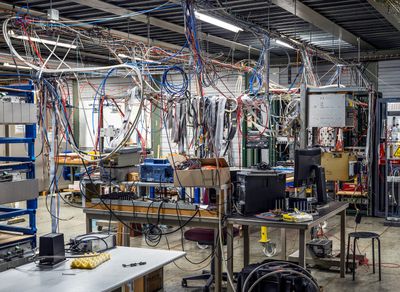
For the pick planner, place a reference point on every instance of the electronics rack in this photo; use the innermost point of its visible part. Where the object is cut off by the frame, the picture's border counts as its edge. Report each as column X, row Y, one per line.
column 309, row 134
column 25, row 164
column 387, row 161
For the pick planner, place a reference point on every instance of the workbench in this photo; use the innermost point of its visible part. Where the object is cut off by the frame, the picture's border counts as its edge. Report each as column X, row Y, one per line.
column 329, row 211
column 107, row 277
column 131, row 213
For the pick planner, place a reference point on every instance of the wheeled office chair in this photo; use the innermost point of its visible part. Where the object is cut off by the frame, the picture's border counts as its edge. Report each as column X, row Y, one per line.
column 204, row 236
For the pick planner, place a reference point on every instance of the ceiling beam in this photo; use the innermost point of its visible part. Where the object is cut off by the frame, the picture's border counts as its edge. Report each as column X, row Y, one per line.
column 351, row 57
column 307, row 14
column 384, row 11
column 101, row 5
column 9, row 7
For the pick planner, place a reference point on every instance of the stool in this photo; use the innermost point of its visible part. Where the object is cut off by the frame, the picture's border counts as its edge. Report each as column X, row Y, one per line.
column 205, row 236
column 364, row 235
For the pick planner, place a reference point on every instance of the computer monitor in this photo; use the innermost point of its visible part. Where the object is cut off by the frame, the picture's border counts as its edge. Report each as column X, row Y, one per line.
column 308, row 171
column 304, row 162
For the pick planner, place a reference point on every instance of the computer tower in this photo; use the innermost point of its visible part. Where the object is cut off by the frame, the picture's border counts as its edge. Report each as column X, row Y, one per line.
column 258, row 191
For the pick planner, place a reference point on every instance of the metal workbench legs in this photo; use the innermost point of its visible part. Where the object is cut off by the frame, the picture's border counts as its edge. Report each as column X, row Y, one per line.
column 229, row 244
column 126, row 240
column 283, row 244
column 246, row 245
column 89, row 221
column 218, row 263
column 302, row 248
column 342, row 243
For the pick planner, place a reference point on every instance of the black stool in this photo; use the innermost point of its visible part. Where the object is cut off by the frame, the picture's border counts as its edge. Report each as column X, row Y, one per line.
column 364, row 235
column 204, row 236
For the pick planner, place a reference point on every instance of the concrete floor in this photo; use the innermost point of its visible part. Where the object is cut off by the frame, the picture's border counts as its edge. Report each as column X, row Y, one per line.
column 73, row 223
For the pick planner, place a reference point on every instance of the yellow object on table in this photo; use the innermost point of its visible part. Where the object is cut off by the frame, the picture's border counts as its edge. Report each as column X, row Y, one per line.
column 90, row 260
column 297, row 217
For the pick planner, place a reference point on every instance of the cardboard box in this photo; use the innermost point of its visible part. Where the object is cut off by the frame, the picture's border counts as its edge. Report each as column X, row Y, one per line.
column 203, row 177
column 133, row 176
column 336, row 165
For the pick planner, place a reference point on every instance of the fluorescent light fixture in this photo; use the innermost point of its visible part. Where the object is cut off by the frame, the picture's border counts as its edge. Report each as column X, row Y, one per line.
column 138, row 59
column 283, row 44
column 43, row 41
column 217, row 22
column 19, row 67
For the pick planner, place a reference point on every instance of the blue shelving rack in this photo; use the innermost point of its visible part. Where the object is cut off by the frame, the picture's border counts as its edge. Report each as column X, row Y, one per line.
column 25, row 163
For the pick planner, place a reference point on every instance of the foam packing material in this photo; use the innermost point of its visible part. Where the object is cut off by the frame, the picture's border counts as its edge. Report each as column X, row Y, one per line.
column 90, row 260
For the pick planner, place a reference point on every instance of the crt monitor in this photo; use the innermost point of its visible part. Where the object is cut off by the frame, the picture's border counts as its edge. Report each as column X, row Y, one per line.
column 308, row 170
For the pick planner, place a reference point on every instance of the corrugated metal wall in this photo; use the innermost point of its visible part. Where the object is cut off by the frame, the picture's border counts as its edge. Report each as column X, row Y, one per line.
column 324, row 74
column 389, row 78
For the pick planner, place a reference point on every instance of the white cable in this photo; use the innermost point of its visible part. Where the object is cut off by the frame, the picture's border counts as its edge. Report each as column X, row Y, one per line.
column 67, row 70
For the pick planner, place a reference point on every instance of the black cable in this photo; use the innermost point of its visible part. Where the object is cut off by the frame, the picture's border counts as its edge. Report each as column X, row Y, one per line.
column 212, row 254
column 88, row 237
column 160, row 233
column 152, row 231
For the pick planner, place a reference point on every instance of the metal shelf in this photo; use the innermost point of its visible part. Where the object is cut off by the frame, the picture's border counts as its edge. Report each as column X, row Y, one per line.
column 21, row 163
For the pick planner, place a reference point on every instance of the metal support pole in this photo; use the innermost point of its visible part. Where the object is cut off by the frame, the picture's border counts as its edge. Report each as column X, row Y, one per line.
column 303, row 116
column 53, row 176
column 75, row 103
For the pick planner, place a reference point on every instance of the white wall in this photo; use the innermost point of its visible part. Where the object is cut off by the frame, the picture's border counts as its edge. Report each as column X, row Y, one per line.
column 116, row 87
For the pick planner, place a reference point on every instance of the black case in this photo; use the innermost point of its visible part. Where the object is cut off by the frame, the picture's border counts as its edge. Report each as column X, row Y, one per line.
column 51, row 245
column 259, row 190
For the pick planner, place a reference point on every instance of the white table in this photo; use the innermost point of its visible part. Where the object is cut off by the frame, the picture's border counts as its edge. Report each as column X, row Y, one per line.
column 106, row 277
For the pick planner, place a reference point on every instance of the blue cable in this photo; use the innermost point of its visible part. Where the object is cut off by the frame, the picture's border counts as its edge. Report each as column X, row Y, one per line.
column 255, row 73
column 171, row 87
column 297, row 75
column 255, row 77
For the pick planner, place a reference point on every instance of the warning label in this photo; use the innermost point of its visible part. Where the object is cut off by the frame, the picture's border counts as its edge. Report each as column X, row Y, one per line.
column 397, row 153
